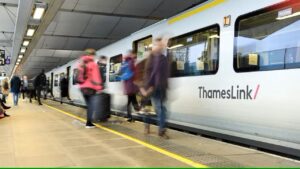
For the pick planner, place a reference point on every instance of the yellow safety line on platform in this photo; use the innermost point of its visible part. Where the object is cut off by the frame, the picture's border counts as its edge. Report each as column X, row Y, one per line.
column 155, row 148
column 195, row 11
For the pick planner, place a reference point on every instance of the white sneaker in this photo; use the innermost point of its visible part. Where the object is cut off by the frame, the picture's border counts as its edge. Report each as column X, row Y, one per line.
column 90, row 126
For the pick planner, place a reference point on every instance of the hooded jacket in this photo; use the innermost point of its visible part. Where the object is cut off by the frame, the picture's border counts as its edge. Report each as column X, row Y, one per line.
column 93, row 80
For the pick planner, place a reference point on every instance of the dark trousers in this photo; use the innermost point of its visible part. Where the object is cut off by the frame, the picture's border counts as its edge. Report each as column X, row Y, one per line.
column 24, row 91
column 88, row 101
column 131, row 100
column 38, row 94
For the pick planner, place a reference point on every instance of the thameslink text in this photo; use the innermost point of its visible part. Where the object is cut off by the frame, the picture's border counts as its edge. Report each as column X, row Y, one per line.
column 235, row 92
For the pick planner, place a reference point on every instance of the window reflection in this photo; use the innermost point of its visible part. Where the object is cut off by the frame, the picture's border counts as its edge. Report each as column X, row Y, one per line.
column 269, row 40
column 195, row 53
column 114, row 68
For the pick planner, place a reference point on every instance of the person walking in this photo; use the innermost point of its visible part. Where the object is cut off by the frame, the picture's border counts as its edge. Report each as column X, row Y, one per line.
column 157, row 73
column 90, row 82
column 24, row 86
column 127, row 75
column 64, row 89
column 15, row 86
column 39, row 84
column 5, row 89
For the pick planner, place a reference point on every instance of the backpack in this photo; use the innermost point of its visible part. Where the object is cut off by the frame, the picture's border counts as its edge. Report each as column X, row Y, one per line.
column 80, row 74
column 127, row 73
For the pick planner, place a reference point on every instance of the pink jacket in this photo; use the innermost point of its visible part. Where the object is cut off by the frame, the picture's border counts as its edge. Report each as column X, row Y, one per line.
column 93, row 80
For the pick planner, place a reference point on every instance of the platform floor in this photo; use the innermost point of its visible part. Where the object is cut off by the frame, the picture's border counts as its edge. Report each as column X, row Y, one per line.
column 45, row 136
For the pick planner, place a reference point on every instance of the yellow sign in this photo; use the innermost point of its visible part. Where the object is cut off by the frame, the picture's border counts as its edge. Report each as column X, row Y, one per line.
column 253, row 59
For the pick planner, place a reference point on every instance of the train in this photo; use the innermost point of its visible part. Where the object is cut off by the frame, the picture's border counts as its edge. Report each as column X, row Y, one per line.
column 234, row 71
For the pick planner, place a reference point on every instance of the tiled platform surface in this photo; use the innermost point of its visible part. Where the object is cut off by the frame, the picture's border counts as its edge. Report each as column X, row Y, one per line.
column 37, row 136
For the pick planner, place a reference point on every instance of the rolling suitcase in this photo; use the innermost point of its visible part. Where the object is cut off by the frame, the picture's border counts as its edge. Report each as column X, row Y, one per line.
column 101, row 107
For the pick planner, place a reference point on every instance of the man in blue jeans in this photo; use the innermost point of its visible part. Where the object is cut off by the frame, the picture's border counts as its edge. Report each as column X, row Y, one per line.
column 15, row 86
column 157, row 73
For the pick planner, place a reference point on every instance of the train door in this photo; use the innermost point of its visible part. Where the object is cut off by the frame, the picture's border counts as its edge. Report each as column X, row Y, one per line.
column 68, row 80
column 141, row 47
column 51, row 83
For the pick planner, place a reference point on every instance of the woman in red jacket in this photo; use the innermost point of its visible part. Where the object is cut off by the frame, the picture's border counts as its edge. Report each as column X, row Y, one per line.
column 90, row 82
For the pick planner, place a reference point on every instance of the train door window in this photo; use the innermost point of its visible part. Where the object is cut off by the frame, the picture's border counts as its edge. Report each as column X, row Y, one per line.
column 114, row 68
column 142, row 46
column 195, row 53
column 268, row 39
column 56, row 77
column 75, row 74
column 61, row 76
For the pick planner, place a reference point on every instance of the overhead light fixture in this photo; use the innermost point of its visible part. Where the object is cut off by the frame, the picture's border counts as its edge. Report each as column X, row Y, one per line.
column 176, row 46
column 214, row 36
column 288, row 16
column 20, row 56
column 30, row 32
column 23, row 50
column 19, row 60
column 17, row 64
column 26, row 43
column 38, row 13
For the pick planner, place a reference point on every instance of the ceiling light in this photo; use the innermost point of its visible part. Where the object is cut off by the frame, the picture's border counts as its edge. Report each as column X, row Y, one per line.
column 26, row 43
column 30, row 32
column 19, row 60
column 214, row 36
column 23, row 50
column 288, row 16
column 176, row 46
column 17, row 64
column 38, row 13
column 20, row 56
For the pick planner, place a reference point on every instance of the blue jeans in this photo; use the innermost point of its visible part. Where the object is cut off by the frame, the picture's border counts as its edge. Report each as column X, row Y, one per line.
column 157, row 99
column 16, row 98
column 88, row 101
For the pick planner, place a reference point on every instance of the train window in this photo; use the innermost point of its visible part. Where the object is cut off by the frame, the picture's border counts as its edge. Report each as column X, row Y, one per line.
column 141, row 46
column 56, row 80
column 268, row 39
column 195, row 53
column 114, row 68
column 61, row 76
column 75, row 74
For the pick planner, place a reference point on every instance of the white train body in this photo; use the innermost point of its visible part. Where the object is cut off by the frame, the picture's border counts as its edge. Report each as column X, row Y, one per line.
column 270, row 112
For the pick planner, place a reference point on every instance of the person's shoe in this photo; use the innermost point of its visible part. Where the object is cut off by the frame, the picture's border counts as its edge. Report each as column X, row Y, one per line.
column 4, row 106
column 90, row 126
column 6, row 115
column 40, row 104
column 130, row 120
column 163, row 135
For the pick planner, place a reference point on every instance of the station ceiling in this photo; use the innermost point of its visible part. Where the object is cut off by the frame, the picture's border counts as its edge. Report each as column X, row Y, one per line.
column 80, row 24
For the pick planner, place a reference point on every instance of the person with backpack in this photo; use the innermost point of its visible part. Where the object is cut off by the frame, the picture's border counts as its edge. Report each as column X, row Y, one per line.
column 15, row 86
column 39, row 84
column 127, row 75
column 5, row 90
column 90, row 82
column 156, row 84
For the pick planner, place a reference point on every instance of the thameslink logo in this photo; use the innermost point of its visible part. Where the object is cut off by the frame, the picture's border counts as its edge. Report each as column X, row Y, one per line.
column 235, row 93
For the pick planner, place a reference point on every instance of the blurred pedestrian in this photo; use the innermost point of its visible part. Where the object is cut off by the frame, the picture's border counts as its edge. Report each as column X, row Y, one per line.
column 5, row 89
column 90, row 82
column 39, row 84
column 24, row 86
column 157, row 73
column 102, row 64
column 64, row 89
column 127, row 75
column 15, row 86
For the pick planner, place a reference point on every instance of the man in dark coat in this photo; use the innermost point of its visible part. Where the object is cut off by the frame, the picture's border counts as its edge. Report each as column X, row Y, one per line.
column 39, row 83
column 64, row 89
column 15, row 86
